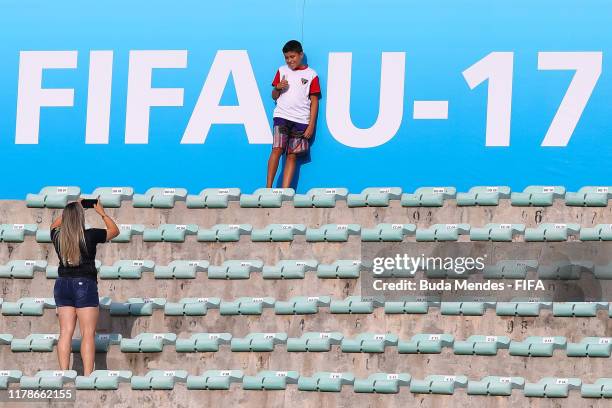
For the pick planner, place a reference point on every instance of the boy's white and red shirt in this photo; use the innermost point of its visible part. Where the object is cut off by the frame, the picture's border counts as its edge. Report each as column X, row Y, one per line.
column 294, row 102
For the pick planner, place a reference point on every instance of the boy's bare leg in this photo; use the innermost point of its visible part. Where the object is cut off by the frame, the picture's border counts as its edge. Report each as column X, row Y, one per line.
column 289, row 170
column 273, row 165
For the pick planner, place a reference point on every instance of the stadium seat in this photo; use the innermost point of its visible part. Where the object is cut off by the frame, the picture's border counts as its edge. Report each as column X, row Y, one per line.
column 203, row 342
column 551, row 232
column 483, row 195
column 159, row 380
column 354, row 304
column 52, row 271
column 410, row 305
column 300, row 305
column 137, row 306
column 266, row 198
column 53, row 197
column 589, row 196
column 551, row 387
column 159, row 197
column 368, row 343
column 382, row 383
column 320, row 197
column 465, row 308
column 590, row 347
column 537, row 196
column 600, row 232
column 43, row 235
column 213, row 198
column 180, row 269
column 442, row 232
column 602, row 388
column 564, row 270
column 270, row 380
column 496, row 232
column 481, row 345
column 102, row 342
column 521, row 307
column 103, row 380
column 111, row 197
column 48, row 380
column 438, row 384
column 325, row 381
column 22, row 269
column 509, row 269
column 8, row 377
column 224, row 233
column 428, row 197
column 191, row 306
column 28, row 306
column 35, row 342
column 314, row 341
column 387, row 232
column 578, row 309
column 6, row 339
column 496, row 386
column 16, row 232
column 332, row 232
column 169, row 233
column 214, row 380
column 258, row 342
column 289, row 269
column 127, row 231
column 603, row 271
column 277, row 232
column 246, row 306
column 341, row 269
column 126, row 269
column 537, row 346
column 374, row 197
column 147, row 343
column 425, row 344
column 235, row 269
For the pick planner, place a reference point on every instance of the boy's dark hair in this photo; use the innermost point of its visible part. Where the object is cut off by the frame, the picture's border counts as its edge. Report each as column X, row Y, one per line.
column 292, row 46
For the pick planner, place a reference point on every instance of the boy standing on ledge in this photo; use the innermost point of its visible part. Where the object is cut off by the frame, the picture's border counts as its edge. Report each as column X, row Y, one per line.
column 296, row 92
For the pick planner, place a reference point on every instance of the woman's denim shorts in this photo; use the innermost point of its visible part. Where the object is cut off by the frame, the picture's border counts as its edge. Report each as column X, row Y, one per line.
column 76, row 292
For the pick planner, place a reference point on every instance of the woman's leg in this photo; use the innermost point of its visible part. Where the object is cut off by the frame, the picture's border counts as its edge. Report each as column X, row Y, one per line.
column 88, row 320
column 67, row 322
column 289, row 170
column 273, row 165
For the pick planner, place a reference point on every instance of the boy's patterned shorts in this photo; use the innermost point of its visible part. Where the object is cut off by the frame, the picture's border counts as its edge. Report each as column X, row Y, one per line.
column 289, row 136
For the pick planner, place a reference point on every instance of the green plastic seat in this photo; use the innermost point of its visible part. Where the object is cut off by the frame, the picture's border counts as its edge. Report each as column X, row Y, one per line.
column 16, row 232
column 521, row 307
column 537, row 346
column 354, row 305
column 224, row 233
column 43, row 236
column 111, row 197
column 191, row 306
column 341, row 269
column 258, row 342
column 481, row 345
column 578, row 309
column 289, row 269
column 410, row 305
column 332, row 232
column 537, row 196
column 325, row 381
column 314, row 341
column 428, row 197
column 22, row 269
column 387, row 232
column 496, row 232
column 103, row 380
column 267, row 198
column 213, row 198
column 51, row 272
column 551, row 232
column 48, row 380
column 35, row 342
column 127, row 269
column 180, row 269
column 495, row 386
column 246, row 306
column 301, row 305
column 159, row 197
column 509, row 269
column 127, row 231
column 374, row 197
column 600, row 232
column 551, row 387
column 277, row 233
column 28, row 306
column 235, row 269
column 590, row 347
column 438, row 384
column 53, row 197
column 159, row 380
column 137, row 306
column 602, row 388
column 102, row 342
column 465, row 308
column 320, row 197
column 169, row 233
column 442, row 232
column 382, row 383
column 589, row 196
column 147, row 343
column 214, row 380
column 425, row 344
column 202, row 342
column 6, row 339
column 483, row 195
column 8, row 377
column 368, row 343
column 564, row 270
column 603, row 271
column 270, row 380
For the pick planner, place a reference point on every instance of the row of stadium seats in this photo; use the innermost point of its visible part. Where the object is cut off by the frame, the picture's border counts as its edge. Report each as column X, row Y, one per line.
column 299, row 305
column 387, row 232
column 533, row 346
column 381, row 383
column 165, row 197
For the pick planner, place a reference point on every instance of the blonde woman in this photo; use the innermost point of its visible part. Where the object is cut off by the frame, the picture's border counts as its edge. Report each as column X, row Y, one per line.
column 76, row 288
